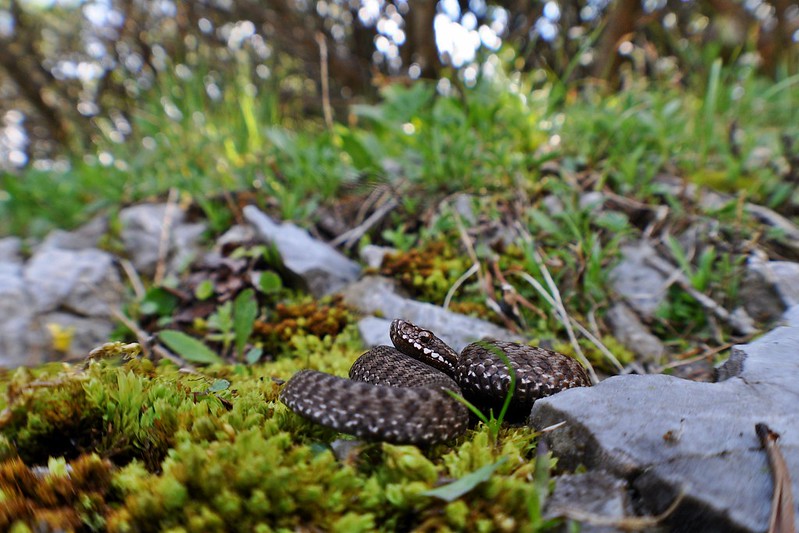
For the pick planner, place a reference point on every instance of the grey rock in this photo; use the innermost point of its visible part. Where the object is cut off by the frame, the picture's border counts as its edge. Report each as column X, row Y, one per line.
column 65, row 274
column 642, row 286
column 374, row 331
column 376, row 295
column 769, row 287
column 185, row 246
column 14, row 336
column 392, row 167
column 322, row 269
column 759, row 157
column 757, row 291
column 597, row 493
column 143, row 231
column 670, row 184
column 62, row 287
column 373, row 255
column 553, row 205
column 83, row 281
column 669, row 435
column 86, row 333
column 593, row 200
column 86, row 236
column 790, row 317
column 235, row 235
column 15, row 316
column 10, row 248
column 786, row 281
column 632, row 333
column 790, row 231
column 712, row 200
column 10, row 275
column 462, row 204
column 721, row 507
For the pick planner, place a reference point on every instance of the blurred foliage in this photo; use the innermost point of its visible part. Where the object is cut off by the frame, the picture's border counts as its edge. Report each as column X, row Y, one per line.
column 495, row 135
column 76, row 74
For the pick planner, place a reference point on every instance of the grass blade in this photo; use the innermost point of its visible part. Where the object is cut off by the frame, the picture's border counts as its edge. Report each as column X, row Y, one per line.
column 452, row 491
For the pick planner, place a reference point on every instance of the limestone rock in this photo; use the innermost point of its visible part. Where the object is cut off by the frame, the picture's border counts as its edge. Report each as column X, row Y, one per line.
column 143, row 233
column 377, row 295
column 322, row 268
column 629, row 330
column 667, row 435
column 642, row 286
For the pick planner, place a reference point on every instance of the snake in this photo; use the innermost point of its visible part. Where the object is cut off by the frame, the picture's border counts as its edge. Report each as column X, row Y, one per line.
column 408, row 393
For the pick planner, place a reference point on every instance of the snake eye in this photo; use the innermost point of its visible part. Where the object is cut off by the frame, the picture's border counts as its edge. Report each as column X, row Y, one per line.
column 425, row 337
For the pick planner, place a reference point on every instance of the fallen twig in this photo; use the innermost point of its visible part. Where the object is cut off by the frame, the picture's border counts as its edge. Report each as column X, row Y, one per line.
column 582, row 329
column 483, row 279
column 143, row 339
column 326, row 108
column 164, row 238
column 134, row 278
column 694, row 355
column 627, row 523
column 512, row 296
column 782, row 518
column 350, row 237
column 772, row 218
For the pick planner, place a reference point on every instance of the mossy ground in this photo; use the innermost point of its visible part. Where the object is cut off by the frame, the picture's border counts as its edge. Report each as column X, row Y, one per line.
column 131, row 445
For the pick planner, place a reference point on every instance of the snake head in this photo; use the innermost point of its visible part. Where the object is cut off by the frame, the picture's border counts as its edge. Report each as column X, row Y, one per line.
column 423, row 345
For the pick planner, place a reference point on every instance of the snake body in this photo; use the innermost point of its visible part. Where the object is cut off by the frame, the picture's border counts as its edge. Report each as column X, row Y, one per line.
column 400, row 394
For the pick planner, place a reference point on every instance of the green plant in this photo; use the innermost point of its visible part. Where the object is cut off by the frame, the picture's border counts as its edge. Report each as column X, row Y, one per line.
column 188, row 347
column 493, row 424
column 583, row 240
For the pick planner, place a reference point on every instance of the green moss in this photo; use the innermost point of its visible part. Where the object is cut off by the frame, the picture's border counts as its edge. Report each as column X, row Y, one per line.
column 596, row 357
column 289, row 323
column 64, row 496
column 427, row 272
column 177, row 456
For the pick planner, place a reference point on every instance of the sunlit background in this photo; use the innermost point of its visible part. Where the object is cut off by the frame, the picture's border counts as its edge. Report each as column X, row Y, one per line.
column 72, row 70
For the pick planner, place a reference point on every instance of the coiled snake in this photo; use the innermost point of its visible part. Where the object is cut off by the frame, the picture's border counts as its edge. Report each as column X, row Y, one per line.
column 400, row 394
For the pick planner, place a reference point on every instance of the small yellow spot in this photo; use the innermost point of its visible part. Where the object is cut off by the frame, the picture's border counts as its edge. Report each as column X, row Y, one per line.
column 61, row 336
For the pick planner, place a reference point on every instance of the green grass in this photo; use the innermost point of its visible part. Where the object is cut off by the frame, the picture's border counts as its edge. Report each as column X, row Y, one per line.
column 491, row 137
column 631, row 136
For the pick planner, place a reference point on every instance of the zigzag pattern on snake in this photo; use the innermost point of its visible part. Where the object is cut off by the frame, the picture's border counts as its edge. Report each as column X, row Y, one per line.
column 399, row 394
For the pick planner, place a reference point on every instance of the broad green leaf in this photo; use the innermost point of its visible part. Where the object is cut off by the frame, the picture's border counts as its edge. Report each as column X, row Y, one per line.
column 218, row 386
column 613, row 221
column 204, row 290
column 356, row 145
column 269, row 282
column 221, row 320
column 254, row 355
column 188, row 347
column 544, row 222
column 158, row 301
column 456, row 489
column 245, row 311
